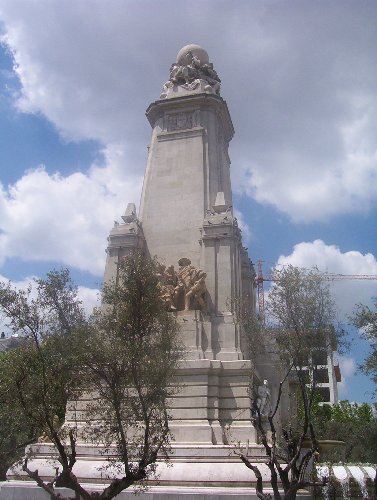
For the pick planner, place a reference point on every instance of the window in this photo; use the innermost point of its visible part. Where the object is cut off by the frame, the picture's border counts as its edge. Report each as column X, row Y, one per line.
column 321, row 376
column 320, row 358
column 324, row 393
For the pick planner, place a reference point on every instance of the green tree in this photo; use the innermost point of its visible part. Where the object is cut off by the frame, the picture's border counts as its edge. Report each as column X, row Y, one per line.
column 126, row 352
column 365, row 319
column 15, row 435
column 353, row 423
column 131, row 352
column 36, row 379
column 300, row 313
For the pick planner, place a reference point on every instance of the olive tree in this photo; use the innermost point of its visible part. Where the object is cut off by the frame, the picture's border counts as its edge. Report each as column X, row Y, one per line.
column 126, row 353
column 365, row 318
column 300, row 312
column 15, row 434
column 36, row 377
column 131, row 351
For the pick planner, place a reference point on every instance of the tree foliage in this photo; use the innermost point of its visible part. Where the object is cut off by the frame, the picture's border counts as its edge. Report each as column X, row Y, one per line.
column 365, row 319
column 301, row 312
column 15, row 433
column 253, row 335
column 36, row 377
column 126, row 353
column 131, row 351
column 355, row 424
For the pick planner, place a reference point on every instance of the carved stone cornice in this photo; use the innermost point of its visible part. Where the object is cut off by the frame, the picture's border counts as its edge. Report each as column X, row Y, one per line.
column 220, row 226
column 159, row 110
column 125, row 235
column 171, row 136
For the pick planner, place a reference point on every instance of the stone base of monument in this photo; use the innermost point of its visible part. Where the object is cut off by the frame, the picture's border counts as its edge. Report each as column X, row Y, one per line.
column 191, row 474
column 20, row 490
column 210, row 412
column 189, row 465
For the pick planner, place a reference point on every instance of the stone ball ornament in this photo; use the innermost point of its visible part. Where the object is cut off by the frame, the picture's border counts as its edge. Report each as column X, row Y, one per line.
column 192, row 72
column 183, row 56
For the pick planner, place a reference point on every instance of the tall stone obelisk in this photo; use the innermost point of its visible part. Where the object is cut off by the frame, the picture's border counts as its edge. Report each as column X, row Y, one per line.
column 186, row 208
column 186, row 220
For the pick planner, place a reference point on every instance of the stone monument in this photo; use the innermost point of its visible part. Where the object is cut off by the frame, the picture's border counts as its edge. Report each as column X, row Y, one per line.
column 186, row 219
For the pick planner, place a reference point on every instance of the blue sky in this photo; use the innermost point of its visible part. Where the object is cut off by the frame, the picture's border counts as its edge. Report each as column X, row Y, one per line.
column 299, row 79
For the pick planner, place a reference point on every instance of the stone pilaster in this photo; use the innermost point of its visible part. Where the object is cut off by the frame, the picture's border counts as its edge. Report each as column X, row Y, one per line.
column 221, row 258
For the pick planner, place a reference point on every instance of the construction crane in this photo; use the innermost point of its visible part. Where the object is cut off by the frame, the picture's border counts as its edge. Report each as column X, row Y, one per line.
column 260, row 279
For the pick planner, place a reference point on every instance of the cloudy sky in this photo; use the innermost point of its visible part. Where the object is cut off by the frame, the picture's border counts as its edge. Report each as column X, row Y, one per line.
column 299, row 78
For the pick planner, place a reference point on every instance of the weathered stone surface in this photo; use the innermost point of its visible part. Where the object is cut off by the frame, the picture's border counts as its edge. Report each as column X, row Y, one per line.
column 22, row 491
column 186, row 219
column 192, row 72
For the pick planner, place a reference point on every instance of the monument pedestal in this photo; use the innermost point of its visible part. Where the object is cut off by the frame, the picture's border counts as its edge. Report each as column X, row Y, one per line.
column 18, row 490
column 212, row 405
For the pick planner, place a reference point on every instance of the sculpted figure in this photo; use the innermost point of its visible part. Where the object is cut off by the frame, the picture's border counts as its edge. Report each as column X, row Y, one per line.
column 167, row 85
column 167, row 284
column 193, row 67
column 208, row 70
column 177, row 77
column 189, row 71
column 46, row 438
column 191, row 284
column 264, row 399
column 174, row 73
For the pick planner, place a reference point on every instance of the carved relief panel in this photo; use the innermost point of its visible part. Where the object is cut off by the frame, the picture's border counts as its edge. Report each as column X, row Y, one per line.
column 182, row 121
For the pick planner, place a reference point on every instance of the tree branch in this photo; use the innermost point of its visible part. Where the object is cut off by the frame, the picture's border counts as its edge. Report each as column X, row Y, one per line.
column 46, row 487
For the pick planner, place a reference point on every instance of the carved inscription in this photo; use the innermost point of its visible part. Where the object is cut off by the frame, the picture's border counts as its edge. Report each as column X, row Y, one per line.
column 182, row 121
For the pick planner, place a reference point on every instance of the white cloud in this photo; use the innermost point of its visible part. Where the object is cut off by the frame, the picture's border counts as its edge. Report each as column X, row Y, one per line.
column 90, row 298
column 81, row 70
column 299, row 78
column 329, row 258
column 310, row 188
column 65, row 219
column 347, row 369
column 347, row 366
column 24, row 284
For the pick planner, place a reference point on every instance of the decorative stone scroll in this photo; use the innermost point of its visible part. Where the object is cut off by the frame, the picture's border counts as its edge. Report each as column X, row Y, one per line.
column 191, row 69
column 215, row 217
column 184, row 289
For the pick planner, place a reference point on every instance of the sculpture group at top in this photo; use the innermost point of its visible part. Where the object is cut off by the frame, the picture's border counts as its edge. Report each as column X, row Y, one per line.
column 192, row 69
column 182, row 289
